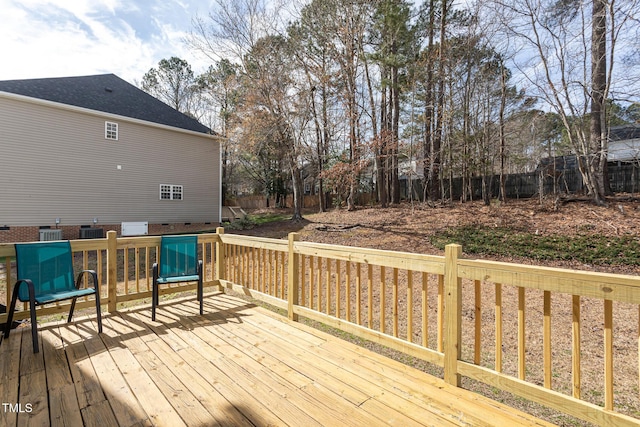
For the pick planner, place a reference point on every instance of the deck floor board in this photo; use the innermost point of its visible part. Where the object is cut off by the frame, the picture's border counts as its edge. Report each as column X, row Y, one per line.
column 237, row 365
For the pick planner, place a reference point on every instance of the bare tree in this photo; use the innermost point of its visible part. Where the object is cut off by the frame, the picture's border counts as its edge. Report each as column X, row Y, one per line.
column 221, row 84
column 233, row 28
column 251, row 32
column 311, row 40
column 566, row 52
column 347, row 31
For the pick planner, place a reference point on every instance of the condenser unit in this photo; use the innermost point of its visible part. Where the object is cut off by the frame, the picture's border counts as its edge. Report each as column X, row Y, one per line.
column 91, row 233
column 48, row 235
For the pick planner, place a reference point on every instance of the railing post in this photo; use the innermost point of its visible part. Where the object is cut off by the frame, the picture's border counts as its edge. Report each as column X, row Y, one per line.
column 221, row 261
column 112, row 270
column 293, row 274
column 452, row 314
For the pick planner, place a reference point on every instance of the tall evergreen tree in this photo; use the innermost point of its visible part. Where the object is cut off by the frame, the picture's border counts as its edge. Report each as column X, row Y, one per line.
column 172, row 82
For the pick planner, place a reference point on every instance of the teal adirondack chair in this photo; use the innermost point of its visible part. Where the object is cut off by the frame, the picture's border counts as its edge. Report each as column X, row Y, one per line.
column 45, row 275
column 177, row 263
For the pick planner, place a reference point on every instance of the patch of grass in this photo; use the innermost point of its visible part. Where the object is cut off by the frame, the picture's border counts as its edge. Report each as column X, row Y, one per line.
column 501, row 241
column 240, row 224
column 269, row 217
column 251, row 221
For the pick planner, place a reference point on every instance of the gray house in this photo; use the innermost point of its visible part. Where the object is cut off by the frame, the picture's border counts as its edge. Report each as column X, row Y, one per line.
column 624, row 144
column 95, row 152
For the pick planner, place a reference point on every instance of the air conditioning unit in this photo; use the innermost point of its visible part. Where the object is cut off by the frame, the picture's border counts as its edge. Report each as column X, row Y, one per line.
column 91, row 233
column 48, row 235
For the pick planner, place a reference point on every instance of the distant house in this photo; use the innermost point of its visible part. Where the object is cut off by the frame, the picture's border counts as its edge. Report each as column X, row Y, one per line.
column 95, row 152
column 624, row 144
column 624, row 147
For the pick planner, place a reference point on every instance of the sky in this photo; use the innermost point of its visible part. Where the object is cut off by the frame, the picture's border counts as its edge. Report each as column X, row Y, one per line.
column 62, row 38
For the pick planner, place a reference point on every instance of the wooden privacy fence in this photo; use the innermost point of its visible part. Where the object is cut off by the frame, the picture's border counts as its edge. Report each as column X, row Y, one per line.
column 536, row 332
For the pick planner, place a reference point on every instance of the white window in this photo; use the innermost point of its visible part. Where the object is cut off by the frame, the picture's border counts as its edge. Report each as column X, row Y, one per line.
column 176, row 192
column 111, row 130
column 165, row 192
column 171, row 192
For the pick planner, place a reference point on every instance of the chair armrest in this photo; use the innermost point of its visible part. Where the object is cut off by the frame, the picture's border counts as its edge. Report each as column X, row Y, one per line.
column 30, row 287
column 91, row 273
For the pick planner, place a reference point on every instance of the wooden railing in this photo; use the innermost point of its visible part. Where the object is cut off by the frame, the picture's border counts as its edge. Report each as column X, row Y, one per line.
column 533, row 331
column 489, row 321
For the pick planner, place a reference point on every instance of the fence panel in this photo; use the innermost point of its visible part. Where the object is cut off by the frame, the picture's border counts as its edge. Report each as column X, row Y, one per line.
column 524, row 348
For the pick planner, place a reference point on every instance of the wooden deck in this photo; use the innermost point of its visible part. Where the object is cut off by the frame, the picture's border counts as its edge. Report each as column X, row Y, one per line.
column 238, row 365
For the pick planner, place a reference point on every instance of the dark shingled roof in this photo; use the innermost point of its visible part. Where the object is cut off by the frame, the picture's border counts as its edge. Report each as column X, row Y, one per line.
column 624, row 132
column 107, row 93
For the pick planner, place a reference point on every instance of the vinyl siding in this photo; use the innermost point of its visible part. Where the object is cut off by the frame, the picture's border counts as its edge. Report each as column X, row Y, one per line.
column 624, row 151
column 56, row 163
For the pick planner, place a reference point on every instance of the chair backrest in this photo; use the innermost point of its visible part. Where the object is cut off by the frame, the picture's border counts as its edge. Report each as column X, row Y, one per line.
column 49, row 265
column 178, row 256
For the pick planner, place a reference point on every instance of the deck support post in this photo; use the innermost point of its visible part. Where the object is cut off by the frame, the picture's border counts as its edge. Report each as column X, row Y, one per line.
column 112, row 270
column 293, row 276
column 452, row 313
column 221, row 261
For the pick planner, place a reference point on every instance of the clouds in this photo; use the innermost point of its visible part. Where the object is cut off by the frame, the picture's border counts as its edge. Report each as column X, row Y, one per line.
column 65, row 38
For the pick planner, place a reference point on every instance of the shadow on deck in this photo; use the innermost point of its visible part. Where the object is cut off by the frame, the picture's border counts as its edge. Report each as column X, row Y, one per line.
column 238, row 365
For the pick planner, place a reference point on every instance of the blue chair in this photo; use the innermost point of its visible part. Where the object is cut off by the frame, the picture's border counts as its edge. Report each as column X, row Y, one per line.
column 177, row 263
column 45, row 275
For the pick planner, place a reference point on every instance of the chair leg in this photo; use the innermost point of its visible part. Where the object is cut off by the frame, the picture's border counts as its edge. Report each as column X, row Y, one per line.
column 154, row 292
column 98, row 311
column 200, row 288
column 32, row 310
column 201, row 297
column 12, row 309
column 96, row 287
column 73, row 306
column 34, row 325
column 154, row 300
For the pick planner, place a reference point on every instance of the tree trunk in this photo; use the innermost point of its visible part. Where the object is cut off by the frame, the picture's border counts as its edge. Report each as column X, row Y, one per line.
column 298, row 189
column 381, row 194
column 598, row 140
column 434, row 170
column 395, row 125
column 382, row 147
column 429, row 110
column 503, row 142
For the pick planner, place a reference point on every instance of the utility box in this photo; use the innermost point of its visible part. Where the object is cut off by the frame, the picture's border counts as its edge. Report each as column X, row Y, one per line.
column 140, row 228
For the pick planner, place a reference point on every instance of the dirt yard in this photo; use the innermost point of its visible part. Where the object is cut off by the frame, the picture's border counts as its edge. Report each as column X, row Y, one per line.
column 409, row 228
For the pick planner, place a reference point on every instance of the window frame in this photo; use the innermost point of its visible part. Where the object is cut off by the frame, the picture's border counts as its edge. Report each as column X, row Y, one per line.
column 111, row 131
column 171, row 192
column 177, row 190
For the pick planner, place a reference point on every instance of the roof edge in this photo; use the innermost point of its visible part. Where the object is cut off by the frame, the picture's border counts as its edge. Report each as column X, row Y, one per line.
column 63, row 106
